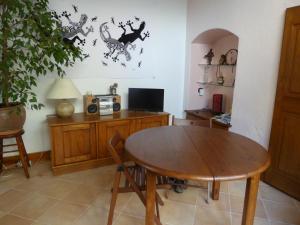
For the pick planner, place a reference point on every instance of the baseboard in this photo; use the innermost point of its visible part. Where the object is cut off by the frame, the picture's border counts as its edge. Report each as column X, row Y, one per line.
column 74, row 167
column 34, row 157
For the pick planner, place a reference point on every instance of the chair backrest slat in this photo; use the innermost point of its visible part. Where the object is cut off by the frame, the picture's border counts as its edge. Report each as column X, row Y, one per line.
column 112, row 143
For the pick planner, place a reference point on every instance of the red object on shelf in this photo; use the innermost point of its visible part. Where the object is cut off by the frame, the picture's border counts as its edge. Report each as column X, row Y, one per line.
column 217, row 103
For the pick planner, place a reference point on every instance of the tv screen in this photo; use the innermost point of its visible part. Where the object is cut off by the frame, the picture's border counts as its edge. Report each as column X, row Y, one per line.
column 146, row 99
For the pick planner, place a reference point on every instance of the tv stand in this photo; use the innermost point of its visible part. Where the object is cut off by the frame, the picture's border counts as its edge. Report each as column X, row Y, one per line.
column 80, row 142
column 144, row 110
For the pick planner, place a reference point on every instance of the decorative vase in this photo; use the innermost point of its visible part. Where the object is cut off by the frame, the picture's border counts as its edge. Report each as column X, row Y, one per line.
column 12, row 118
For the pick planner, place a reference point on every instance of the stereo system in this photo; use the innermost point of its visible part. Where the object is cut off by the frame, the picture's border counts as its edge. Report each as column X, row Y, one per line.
column 106, row 104
column 101, row 104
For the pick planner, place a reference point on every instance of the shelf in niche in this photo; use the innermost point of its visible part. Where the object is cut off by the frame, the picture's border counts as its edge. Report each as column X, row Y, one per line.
column 214, row 65
column 214, row 84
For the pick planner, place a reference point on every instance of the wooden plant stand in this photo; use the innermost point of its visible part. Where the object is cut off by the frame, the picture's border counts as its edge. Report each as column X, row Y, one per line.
column 21, row 149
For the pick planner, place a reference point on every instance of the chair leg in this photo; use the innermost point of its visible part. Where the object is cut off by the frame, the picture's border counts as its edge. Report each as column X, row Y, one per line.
column 216, row 190
column 208, row 191
column 114, row 197
column 159, row 200
column 167, row 194
column 157, row 207
column 135, row 186
column 22, row 153
column 1, row 155
column 139, row 193
column 25, row 152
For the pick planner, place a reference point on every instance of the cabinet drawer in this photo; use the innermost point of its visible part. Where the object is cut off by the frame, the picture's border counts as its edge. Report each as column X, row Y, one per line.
column 155, row 121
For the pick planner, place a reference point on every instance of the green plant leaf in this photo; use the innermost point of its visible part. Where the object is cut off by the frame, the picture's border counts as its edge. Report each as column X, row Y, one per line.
column 30, row 45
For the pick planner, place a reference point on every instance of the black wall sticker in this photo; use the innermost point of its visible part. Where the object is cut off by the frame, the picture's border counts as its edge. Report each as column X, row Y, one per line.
column 121, row 42
column 112, row 20
column 94, row 19
column 75, row 31
column 121, row 47
column 104, row 63
column 75, row 8
column 86, row 56
column 72, row 31
column 95, row 42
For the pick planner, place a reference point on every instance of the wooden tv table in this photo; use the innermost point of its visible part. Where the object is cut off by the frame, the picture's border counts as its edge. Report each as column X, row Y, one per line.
column 198, row 153
column 80, row 142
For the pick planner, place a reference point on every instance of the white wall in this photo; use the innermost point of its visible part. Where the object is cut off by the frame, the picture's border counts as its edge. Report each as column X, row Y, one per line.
column 193, row 100
column 259, row 26
column 163, row 60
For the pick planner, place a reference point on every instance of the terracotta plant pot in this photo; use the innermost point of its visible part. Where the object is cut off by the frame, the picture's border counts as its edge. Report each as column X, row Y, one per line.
column 12, row 118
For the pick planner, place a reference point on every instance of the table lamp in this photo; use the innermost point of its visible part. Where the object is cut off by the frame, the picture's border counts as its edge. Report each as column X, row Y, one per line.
column 64, row 89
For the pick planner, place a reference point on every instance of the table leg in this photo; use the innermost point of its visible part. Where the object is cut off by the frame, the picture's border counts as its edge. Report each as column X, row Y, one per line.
column 150, row 195
column 250, row 200
column 216, row 190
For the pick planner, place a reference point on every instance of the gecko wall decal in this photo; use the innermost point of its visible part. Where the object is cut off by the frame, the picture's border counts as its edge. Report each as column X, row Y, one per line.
column 123, row 44
column 70, row 33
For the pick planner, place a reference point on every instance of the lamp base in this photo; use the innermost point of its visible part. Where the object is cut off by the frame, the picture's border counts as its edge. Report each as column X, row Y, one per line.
column 64, row 109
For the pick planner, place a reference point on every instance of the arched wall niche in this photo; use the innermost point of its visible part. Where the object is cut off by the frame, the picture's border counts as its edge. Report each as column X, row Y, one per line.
column 205, row 77
column 211, row 36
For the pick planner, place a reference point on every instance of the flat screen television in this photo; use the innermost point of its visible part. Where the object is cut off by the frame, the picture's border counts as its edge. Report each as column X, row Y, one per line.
column 146, row 99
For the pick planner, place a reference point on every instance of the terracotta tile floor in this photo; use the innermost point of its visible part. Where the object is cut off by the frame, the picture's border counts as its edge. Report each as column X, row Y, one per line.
column 83, row 198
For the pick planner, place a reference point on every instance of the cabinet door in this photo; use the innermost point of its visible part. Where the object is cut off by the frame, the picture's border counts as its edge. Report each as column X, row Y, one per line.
column 74, row 143
column 149, row 122
column 107, row 129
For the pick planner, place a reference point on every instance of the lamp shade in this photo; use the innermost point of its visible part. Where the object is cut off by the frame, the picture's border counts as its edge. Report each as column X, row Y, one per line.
column 63, row 88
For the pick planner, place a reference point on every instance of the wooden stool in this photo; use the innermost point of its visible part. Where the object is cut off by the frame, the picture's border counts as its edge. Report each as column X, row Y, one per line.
column 21, row 149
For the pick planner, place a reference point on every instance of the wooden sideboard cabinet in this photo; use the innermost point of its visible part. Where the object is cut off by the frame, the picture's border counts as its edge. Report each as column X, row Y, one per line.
column 80, row 142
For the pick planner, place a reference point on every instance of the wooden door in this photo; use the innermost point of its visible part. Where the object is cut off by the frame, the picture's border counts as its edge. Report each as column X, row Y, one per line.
column 149, row 122
column 284, row 147
column 107, row 129
column 74, row 143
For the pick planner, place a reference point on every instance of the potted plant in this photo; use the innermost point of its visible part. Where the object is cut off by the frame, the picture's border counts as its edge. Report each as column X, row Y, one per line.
column 31, row 44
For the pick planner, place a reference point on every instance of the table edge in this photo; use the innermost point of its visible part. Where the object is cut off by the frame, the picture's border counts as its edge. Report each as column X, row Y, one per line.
column 165, row 172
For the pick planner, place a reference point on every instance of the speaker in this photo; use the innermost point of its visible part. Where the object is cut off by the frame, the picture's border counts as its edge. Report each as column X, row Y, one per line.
column 91, row 105
column 116, row 103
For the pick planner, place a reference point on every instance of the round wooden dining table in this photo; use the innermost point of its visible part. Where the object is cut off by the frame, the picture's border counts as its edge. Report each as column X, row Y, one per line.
column 198, row 153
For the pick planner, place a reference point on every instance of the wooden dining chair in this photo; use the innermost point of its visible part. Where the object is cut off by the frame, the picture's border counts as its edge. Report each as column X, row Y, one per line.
column 135, row 179
column 186, row 122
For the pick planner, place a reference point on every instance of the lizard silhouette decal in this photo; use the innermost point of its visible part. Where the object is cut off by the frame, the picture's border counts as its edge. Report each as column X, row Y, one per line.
column 75, row 31
column 71, row 33
column 121, row 47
